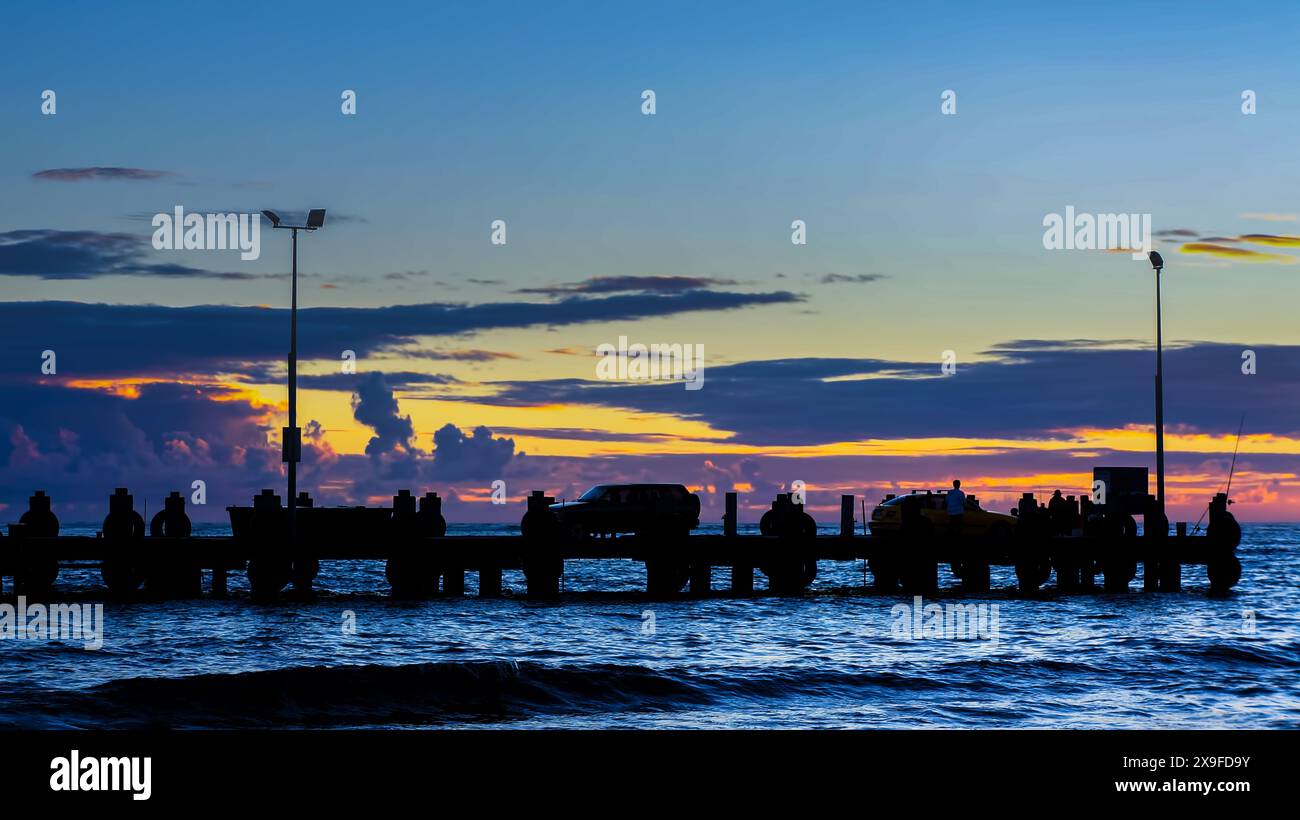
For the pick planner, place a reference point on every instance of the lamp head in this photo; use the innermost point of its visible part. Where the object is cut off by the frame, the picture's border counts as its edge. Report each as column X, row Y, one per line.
column 1157, row 261
column 273, row 216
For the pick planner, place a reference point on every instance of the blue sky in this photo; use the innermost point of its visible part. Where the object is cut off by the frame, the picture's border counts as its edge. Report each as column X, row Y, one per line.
column 829, row 113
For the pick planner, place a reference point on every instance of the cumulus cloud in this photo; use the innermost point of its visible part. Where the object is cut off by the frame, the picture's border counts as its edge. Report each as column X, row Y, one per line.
column 479, row 455
column 80, row 443
column 374, row 405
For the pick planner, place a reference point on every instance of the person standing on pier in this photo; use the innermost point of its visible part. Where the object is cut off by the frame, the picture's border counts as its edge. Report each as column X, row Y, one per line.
column 956, row 508
column 1058, row 514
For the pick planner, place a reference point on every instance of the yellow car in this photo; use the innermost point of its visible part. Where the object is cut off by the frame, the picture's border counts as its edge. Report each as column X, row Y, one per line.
column 887, row 517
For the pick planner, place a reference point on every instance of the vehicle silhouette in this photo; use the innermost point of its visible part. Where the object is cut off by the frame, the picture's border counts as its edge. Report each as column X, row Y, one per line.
column 887, row 517
column 643, row 509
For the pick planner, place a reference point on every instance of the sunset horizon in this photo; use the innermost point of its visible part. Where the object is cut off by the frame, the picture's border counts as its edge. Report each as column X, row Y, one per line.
column 881, row 257
column 393, row 393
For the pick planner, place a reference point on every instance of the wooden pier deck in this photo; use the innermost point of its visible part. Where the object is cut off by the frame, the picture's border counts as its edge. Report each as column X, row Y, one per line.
column 421, row 560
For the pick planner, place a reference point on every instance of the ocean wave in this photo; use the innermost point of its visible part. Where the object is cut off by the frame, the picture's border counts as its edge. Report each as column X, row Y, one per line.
column 325, row 696
column 1255, row 655
column 482, row 692
column 425, row 694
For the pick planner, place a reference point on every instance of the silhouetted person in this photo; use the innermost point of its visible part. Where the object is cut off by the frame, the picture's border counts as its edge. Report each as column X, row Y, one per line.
column 1058, row 512
column 956, row 508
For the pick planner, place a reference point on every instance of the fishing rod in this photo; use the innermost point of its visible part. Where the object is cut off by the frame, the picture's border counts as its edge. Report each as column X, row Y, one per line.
column 1227, row 490
column 1235, row 448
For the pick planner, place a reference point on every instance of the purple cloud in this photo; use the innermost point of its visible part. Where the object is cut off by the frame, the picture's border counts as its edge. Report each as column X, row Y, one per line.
column 101, row 172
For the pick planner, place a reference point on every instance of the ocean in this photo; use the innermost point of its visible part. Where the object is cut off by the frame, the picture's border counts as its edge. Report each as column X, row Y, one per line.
column 604, row 655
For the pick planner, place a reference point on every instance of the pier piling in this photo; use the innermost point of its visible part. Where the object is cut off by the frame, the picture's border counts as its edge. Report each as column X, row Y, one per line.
column 421, row 557
column 742, row 573
column 742, row 579
column 1150, row 574
column 540, row 528
column 1171, row 571
column 453, row 581
column 489, row 582
column 701, row 577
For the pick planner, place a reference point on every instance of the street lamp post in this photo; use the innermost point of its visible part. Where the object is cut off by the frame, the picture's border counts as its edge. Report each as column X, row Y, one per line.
column 1158, row 263
column 291, row 436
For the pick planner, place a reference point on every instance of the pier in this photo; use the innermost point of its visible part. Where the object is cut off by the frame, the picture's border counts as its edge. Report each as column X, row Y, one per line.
column 164, row 560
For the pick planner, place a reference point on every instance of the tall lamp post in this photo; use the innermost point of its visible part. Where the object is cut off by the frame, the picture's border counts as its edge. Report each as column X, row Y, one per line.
column 1158, row 263
column 291, row 436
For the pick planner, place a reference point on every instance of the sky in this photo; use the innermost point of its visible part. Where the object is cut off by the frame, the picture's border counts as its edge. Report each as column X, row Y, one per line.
column 476, row 360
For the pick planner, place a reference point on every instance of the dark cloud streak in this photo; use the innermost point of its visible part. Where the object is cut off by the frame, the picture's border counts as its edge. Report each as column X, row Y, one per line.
column 631, row 284
column 99, row 339
column 1024, row 392
column 64, row 255
column 100, row 173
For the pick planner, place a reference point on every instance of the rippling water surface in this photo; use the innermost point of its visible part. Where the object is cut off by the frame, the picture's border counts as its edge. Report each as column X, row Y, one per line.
column 605, row 655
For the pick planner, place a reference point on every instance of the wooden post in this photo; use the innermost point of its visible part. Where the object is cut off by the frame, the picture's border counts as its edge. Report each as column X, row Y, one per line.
column 846, row 516
column 542, row 581
column 1087, row 572
column 219, row 581
column 1171, row 574
column 1153, row 553
column 742, row 579
column 1171, row 569
column 742, row 574
column 453, row 581
column 489, row 581
column 1150, row 572
column 1156, row 548
column 1068, row 573
column 701, row 573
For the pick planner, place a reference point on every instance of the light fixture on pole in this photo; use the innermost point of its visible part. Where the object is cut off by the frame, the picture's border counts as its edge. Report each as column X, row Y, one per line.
column 1158, row 263
column 291, row 438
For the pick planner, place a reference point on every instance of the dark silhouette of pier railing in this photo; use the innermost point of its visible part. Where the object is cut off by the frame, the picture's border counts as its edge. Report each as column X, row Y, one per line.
column 1077, row 544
